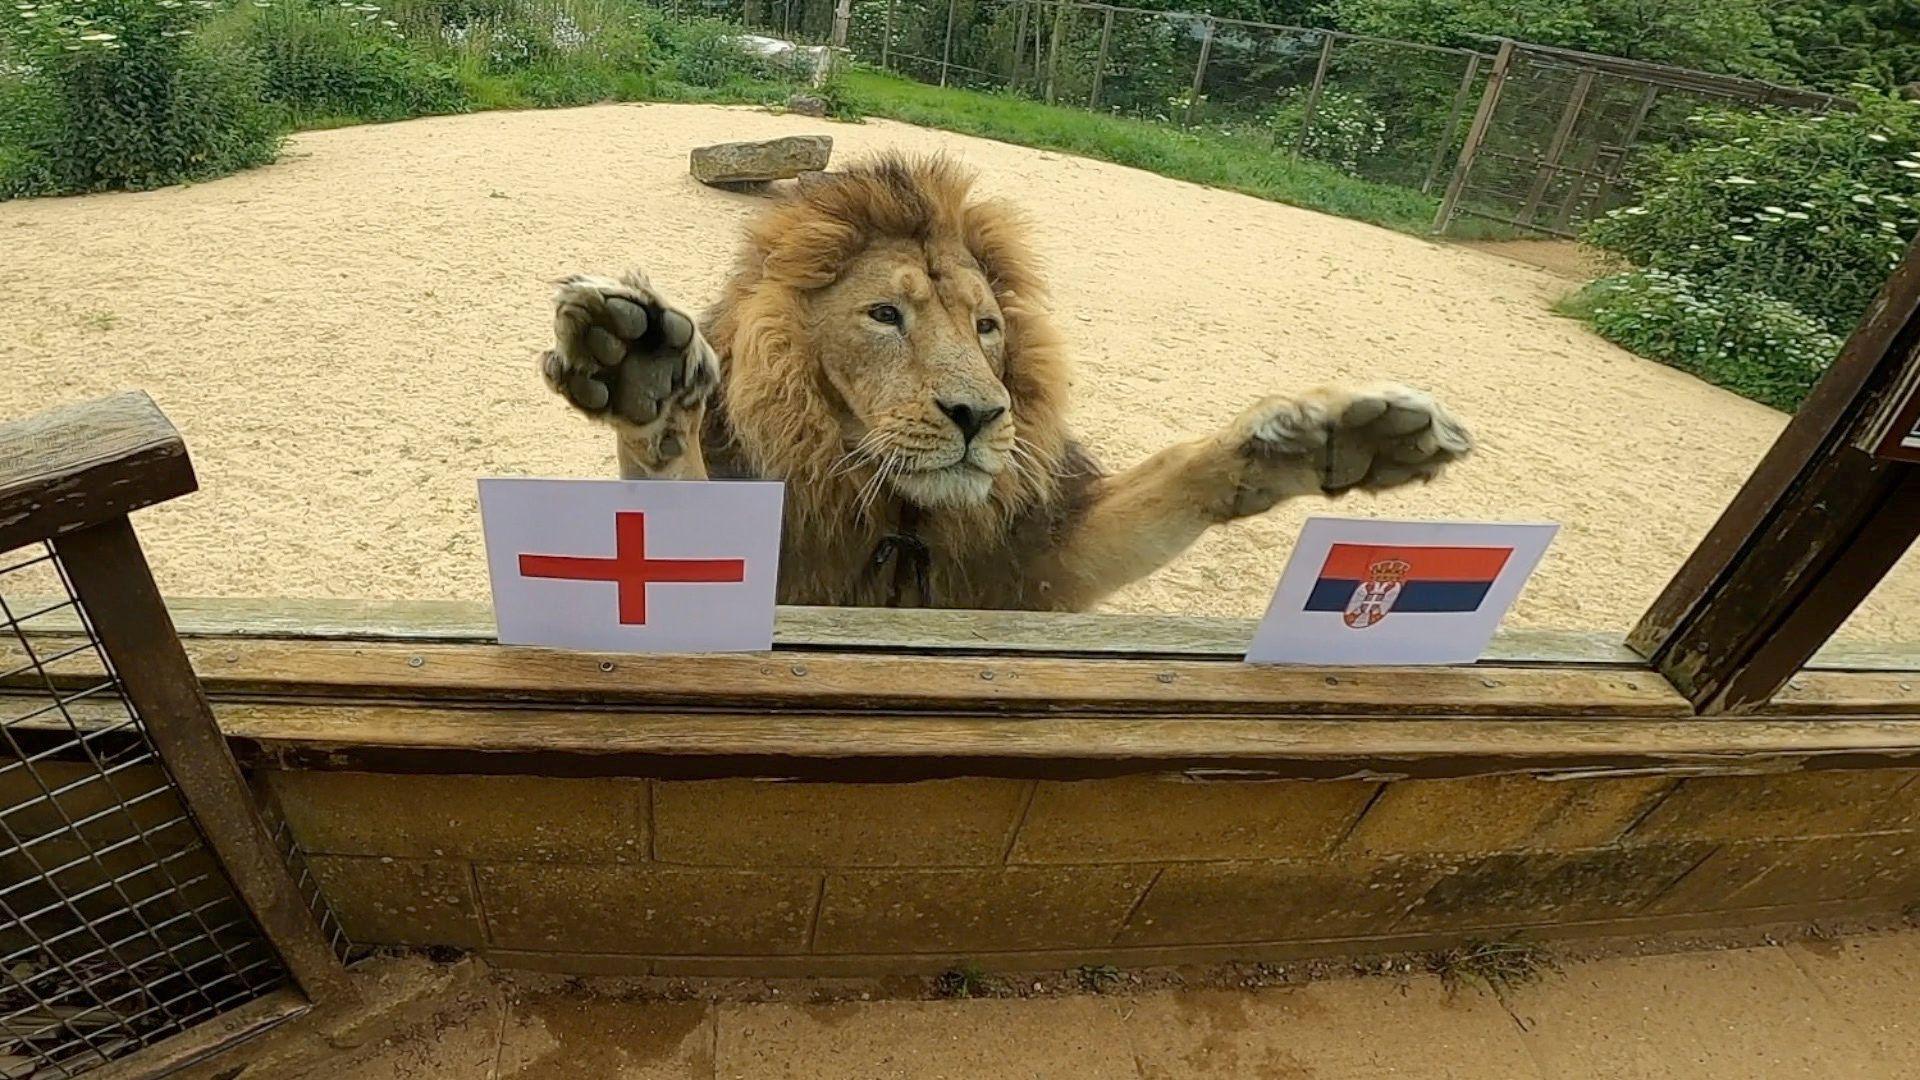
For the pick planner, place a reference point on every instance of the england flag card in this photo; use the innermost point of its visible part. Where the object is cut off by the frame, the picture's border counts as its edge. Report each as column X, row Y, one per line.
column 1361, row 591
column 659, row 566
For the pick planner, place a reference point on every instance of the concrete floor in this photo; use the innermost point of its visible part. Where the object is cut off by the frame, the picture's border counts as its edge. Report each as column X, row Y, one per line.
column 1842, row 1008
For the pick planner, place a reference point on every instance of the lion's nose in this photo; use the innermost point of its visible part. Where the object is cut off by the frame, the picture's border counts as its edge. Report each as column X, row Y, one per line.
column 970, row 419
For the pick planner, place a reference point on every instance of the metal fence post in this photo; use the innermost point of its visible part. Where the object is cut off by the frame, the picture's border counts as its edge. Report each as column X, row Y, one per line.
column 1550, row 165
column 946, row 51
column 1627, row 141
column 1453, row 123
column 1100, row 64
column 1019, row 46
column 1053, row 48
column 1200, row 72
column 1490, row 97
column 886, row 38
column 1313, row 95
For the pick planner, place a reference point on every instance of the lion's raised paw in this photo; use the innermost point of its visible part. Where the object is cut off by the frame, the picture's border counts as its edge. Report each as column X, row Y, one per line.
column 623, row 353
column 1371, row 439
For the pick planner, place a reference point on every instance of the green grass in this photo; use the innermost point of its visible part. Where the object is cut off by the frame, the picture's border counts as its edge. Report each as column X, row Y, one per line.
column 1233, row 163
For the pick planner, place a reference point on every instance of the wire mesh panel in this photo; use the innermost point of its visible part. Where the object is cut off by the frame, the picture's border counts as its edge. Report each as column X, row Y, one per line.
column 1565, row 130
column 117, row 926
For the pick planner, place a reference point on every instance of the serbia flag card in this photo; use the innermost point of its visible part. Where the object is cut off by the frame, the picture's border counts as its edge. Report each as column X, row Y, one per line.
column 1361, row 591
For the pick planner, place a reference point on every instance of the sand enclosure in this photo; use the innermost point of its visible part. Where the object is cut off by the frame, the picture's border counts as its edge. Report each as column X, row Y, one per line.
column 345, row 338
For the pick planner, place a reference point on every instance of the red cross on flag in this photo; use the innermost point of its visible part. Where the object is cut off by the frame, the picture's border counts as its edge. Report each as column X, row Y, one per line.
column 633, row 565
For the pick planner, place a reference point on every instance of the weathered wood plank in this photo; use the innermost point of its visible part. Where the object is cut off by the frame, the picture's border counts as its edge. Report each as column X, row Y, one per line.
column 72, row 467
column 917, row 747
column 430, row 738
column 867, row 682
column 1828, row 693
column 847, row 629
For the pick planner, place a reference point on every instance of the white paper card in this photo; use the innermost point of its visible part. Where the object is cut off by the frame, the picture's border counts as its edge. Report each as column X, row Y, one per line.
column 1362, row 591
column 661, row 566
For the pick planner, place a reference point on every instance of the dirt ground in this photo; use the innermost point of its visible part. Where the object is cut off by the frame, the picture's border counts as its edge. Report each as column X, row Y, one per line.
column 345, row 338
column 1817, row 1008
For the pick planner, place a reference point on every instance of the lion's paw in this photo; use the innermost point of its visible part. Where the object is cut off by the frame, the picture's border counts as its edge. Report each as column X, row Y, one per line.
column 1340, row 440
column 622, row 352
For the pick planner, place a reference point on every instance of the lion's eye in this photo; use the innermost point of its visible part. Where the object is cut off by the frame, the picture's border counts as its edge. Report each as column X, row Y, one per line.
column 987, row 325
column 884, row 313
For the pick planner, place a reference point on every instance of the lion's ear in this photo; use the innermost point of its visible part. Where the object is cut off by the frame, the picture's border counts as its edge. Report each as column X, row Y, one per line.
column 811, row 254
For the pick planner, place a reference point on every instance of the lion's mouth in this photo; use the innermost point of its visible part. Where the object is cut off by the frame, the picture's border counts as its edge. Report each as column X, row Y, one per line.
column 959, row 483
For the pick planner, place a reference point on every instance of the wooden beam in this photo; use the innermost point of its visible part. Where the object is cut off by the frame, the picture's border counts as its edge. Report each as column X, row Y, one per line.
column 854, row 682
column 72, row 467
column 111, row 579
column 895, row 748
column 1808, row 536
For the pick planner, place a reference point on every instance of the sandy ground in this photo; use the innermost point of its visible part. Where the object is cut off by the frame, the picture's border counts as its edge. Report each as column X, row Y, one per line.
column 1815, row 1009
column 345, row 338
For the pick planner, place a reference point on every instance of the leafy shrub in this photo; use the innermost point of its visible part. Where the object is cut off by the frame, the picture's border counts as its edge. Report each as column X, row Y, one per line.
column 1749, row 342
column 704, row 53
column 1813, row 210
column 346, row 60
column 124, row 94
column 1346, row 130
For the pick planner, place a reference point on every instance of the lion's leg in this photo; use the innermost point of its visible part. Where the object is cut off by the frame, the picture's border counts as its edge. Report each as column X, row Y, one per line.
column 626, row 355
column 1325, row 442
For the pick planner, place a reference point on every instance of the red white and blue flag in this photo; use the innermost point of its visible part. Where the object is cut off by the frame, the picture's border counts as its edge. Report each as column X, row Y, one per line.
column 1386, row 592
column 1366, row 582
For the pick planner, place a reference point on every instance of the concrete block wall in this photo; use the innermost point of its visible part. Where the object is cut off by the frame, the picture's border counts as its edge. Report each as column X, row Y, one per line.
column 747, row 876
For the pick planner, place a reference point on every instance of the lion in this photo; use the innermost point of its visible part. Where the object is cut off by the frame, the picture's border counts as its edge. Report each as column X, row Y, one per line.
column 885, row 348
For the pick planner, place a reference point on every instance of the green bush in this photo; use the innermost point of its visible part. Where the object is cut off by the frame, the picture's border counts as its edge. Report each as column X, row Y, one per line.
column 124, row 94
column 1812, row 210
column 327, row 60
column 1346, row 131
column 1751, row 343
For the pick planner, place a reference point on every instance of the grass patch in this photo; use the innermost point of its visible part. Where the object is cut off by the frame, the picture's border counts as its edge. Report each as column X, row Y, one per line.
column 1232, row 163
column 962, row 981
column 1500, row 965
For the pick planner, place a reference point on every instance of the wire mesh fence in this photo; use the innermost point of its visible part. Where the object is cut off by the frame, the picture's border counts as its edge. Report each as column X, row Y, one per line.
column 117, row 926
column 1562, row 132
column 1378, row 109
column 1556, row 147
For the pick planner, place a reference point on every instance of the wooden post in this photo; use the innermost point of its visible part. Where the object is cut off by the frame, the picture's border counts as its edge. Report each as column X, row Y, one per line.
column 1489, row 99
column 1100, row 63
column 1053, row 47
column 1557, row 146
column 71, row 476
column 110, row 576
column 1313, row 94
column 886, row 39
column 1453, row 123
column 842, row 18
column 1808, row 536
column 1200, row 72
column 946, row 51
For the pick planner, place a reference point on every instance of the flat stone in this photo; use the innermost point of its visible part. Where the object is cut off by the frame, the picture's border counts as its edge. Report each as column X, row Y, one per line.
column 771, row 159
column 807, row 105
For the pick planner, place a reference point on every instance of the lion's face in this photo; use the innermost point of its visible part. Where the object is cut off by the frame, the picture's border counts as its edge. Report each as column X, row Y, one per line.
column 912, row 342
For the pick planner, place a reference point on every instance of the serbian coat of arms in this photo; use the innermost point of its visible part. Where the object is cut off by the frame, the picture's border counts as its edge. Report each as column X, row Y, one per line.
column 1373, row 598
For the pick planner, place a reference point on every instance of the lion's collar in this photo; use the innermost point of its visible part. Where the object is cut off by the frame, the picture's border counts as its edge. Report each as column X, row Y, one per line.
column 910, row 555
